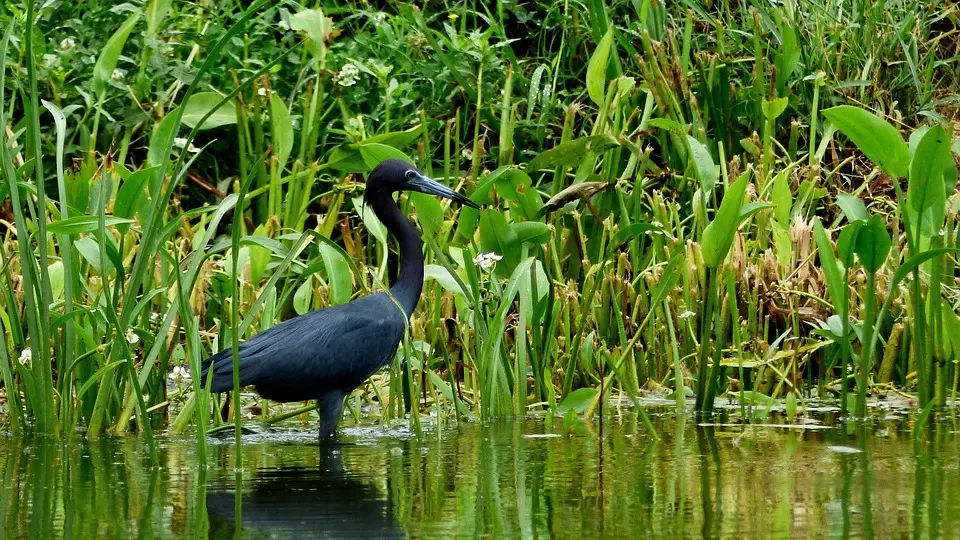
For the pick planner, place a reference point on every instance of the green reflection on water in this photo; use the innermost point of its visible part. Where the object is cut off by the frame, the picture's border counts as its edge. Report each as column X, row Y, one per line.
column 524, row 479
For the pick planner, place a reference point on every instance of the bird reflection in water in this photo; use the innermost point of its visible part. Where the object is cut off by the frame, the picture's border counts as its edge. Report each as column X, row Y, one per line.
column 305, row 502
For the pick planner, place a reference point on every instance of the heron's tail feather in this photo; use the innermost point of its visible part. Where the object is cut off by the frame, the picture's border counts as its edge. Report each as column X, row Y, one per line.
column 221, row 365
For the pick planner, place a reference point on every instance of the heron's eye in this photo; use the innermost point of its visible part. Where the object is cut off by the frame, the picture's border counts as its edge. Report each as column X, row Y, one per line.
column 411, row 175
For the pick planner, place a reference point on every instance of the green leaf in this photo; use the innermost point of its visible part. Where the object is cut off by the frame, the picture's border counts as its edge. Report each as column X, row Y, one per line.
column 303, row 297
column 782, row 199
column 532, row 232
column 873, row 244
column 110, row 55
column 90, row 251
column 429, row 212
column 375, row 153
column 832, row 273
column 514, row 185
column 396, row 139
column 156, row 11
column 847, row 243
column 281, row 128
column 597, row 68
column 83, row 224
column 577, row 401
column 749, row 209
column 707, row 171
column 719, row 234
column 376, row 228
column 443, row 277
column 852, row 207
column 160, row 140
column 131, row 193
column 316, row 26
column 338, row 275
column 55, row 271
column 880, row 141
column 773, row 109
column 926, row 192
column 632, row 231
column 200, row 104
column 571, row 152
column 496, row 236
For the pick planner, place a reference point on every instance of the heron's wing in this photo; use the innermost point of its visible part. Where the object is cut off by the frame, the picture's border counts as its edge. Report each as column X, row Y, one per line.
column 336, row 347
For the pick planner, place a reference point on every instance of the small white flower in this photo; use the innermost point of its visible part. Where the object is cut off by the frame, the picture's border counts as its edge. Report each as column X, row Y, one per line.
column 686, row 315
column 180, row 374
column 355, row 123
column 67, row 43
column 182, row 142
column 25, row 356
column 118, row 75
column 349, row 75
column 154, row 317
column 380, row 18
column 467, row 154
column 262, row 92
column 131, row 336
column 486, row 261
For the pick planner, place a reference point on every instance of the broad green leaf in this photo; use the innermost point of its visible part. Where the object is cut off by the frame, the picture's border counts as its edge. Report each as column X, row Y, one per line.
column 852, row 207
column 55, row 272
column 926, row 193
column 83, row 224
column 259, row 256
column 338, row 275
column 156, row 11
column 773, row 109
column 110, row 55
column 597, row 68
column 496, row 236
column 429, row 212
column 847, row 243
column 532, row 232
column 375, row 153
column 832, row 273
column 873, row 244
column 880, row 141
column 131, row 193
column 571, row 152
column 376, row 228
column 317, row 27
column 281, row 128
column 577, row 401
column 443, row 277
column 396, row 139
column 90, row 251
column 707, row 171
column 160, row 140
column 303, row 297
column 514, row 185
column 749, row 209
column 782, row 199
column 200, row 104
column 719, row 234
column 631, row 231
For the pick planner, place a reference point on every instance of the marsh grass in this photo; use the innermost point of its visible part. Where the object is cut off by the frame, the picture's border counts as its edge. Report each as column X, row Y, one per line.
column 689, row 202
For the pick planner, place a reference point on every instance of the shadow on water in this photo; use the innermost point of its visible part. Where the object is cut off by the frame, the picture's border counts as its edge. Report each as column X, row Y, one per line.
column 323, row 501
column 527, row 478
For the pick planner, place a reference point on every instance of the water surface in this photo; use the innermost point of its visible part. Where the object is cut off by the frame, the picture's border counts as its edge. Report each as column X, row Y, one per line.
column 528, row 478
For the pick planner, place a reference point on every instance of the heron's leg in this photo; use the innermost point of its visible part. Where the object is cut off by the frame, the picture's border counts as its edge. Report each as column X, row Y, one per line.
column 331, row 406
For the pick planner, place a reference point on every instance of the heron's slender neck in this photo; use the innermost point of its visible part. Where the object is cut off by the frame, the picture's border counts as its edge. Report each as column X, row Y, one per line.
column 410, row 279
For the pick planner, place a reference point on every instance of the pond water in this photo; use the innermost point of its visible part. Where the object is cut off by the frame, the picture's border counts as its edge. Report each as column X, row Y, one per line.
column 527, row 478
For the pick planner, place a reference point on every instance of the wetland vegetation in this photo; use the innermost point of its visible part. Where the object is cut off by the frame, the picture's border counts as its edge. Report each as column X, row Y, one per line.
column 736, row 205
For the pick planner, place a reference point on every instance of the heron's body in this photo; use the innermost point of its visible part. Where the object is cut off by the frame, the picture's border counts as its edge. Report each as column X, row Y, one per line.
column 325, row 354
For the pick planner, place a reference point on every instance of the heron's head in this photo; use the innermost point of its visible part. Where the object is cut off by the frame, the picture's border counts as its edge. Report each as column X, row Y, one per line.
column 398, row 175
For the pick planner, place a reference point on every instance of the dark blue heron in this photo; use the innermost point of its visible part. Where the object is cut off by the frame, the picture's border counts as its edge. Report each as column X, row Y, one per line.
column 325, row 354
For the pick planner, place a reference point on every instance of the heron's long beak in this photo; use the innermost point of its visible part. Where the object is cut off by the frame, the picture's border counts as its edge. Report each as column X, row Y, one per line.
column 431, row 187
